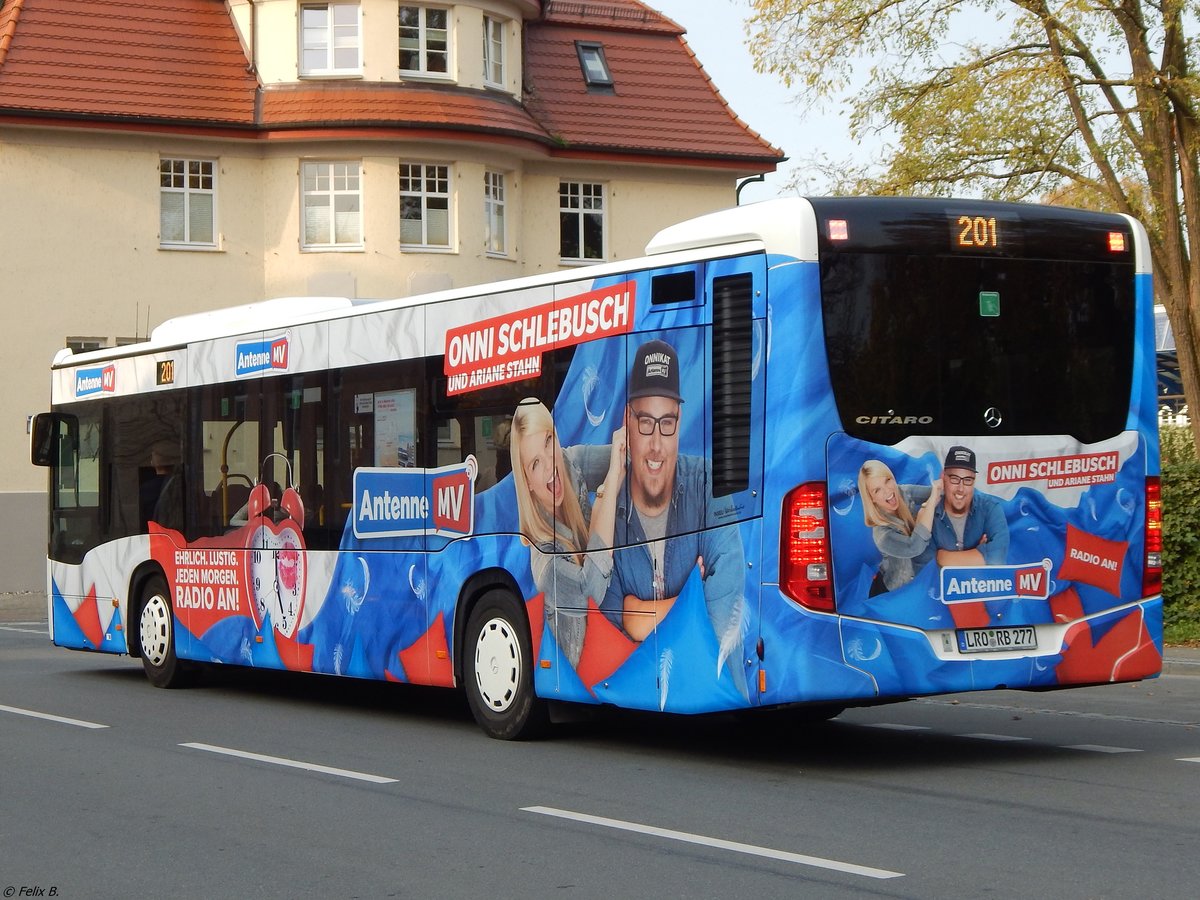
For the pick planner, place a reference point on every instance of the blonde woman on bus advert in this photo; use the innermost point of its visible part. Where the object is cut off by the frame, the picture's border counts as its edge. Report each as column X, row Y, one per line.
column 899, row 535
column 571, row 537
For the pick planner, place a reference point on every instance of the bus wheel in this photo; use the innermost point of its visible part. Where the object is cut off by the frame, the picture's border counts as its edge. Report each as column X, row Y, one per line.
column 156, row 632
column 498, row 670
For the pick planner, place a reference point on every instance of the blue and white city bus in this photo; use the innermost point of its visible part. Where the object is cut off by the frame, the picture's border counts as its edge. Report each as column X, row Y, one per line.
column 805, row 453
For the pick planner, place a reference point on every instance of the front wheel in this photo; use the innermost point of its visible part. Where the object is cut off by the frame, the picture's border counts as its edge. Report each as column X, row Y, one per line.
column 156, row 633
column 498, row 670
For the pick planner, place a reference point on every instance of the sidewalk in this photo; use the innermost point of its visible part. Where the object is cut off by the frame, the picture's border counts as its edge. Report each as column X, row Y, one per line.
column 31, row 607
column 1181, row 661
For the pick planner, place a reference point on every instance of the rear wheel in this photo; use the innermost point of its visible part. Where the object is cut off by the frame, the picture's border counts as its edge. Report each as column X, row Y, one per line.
column 498, row 670
column 156, row 634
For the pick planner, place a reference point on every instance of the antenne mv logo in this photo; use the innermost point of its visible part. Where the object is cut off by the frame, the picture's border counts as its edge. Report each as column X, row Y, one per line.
column 262, row 356
column 95, row 381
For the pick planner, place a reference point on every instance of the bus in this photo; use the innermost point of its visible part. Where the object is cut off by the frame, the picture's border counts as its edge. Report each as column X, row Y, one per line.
column 805, row 454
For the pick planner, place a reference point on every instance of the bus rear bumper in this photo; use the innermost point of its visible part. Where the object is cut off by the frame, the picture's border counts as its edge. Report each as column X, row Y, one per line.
column 1123, row 644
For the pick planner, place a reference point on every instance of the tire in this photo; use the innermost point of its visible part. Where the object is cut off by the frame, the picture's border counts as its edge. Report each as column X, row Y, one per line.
column 498, row 670
column 156, row 636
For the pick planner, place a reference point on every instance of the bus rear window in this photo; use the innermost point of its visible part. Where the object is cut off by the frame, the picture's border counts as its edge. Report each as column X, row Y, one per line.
column 975, row 345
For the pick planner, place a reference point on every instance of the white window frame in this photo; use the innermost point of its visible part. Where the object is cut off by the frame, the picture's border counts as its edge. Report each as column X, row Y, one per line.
column 495, row 65
column 581, row 199
column 78, row 344
column 421, row 173
column 423, row 52
column 192, row 179
column 331, row 180
column 495, row 212
column 333, row 33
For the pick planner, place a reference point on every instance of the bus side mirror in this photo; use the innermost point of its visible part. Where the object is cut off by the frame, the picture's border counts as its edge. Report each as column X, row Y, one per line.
column 44, row 436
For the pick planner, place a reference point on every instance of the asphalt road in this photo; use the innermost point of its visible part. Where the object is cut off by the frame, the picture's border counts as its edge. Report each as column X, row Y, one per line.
column 267, row 785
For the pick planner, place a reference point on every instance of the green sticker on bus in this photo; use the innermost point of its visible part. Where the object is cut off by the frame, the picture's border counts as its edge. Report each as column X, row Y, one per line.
column 989, row 303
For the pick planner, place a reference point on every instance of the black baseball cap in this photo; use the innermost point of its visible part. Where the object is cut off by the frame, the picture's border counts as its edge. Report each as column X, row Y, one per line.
column 960, row 458
column 655, row 372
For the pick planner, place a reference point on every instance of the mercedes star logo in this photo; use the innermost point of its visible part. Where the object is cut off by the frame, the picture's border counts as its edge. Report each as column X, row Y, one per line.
column 992, row 417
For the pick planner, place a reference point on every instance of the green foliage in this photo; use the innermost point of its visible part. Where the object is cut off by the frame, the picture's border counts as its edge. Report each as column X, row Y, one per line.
column 1176, row 444
column 1096, row 103
column 1181, row 535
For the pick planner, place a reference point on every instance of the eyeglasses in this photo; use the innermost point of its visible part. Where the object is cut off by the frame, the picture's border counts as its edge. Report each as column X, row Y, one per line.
column 666, row 425
column 968, row 480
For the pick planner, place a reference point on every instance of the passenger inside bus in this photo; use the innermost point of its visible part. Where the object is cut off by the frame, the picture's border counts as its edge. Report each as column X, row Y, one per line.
column 165, row 488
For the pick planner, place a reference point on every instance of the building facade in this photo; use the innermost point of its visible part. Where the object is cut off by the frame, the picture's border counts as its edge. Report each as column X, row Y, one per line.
column 162, row 157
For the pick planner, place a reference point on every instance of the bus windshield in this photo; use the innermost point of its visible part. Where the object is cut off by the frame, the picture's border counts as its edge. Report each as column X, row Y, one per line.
column 925, row 341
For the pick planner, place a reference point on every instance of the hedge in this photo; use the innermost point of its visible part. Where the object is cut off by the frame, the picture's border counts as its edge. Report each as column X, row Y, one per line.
column 1181, row 534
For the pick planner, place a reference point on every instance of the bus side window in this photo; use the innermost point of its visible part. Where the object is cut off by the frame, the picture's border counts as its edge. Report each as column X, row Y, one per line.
column 226, row 458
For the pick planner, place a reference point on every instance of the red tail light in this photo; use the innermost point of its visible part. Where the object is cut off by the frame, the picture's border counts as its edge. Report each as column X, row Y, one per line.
column 1152, row 574
column 804, row 561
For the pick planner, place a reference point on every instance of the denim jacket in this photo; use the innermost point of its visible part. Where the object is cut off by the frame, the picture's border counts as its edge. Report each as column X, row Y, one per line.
column 691, row 512
column 986, row 516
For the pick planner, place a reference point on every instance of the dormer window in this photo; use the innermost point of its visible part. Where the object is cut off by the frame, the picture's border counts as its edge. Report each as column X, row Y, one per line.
column 329, row 39
column 596, row 75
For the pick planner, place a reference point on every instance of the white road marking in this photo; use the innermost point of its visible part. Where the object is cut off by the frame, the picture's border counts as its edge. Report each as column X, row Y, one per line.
column 292, row 763
column 41, row 631
column 1195, row 759
column 62, row 720
column 736, row 847
column 1100, row 748
column 983, row 736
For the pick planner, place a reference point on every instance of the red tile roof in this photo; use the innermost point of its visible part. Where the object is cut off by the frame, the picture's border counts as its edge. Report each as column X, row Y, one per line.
column 350, row 104
column 9, row 13
column 619, row 14
column 177, row 60
column 179, row 64
column 662, row 100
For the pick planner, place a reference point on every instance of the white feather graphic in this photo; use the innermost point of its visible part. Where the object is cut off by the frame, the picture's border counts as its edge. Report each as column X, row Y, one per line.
column 417, row 585
column 731, row 638
column 665, row 662
column 591, row 381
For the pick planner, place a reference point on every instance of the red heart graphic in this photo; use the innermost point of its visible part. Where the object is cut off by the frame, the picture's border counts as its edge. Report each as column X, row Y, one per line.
column 276, row 574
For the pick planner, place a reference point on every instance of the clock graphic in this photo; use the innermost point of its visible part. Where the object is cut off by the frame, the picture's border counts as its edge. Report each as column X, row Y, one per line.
column 276, row 560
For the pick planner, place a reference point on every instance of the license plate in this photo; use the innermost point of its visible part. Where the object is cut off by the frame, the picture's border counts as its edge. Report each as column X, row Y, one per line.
column 991, row 640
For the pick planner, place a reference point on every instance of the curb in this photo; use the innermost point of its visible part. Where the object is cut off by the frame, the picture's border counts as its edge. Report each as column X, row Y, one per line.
column 1177, row 665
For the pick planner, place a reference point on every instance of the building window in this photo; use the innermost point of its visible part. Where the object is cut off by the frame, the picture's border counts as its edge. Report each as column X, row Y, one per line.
column 494, row 212
column 187, row 202
column 596, row 74
column 424, row 40
column 581, row 221
column 332, row 205
column 424, row 205
column 86, row 344
column 329, row 39
column 493, row 52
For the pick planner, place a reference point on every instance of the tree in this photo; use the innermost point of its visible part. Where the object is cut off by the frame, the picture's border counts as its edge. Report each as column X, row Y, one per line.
column 1090, row 99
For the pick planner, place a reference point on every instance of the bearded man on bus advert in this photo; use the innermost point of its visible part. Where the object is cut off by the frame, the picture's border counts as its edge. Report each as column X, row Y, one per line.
column 665, row 510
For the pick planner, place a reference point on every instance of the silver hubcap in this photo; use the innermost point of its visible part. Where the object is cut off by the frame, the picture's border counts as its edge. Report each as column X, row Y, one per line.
column 497, row 664
column 155, row 629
